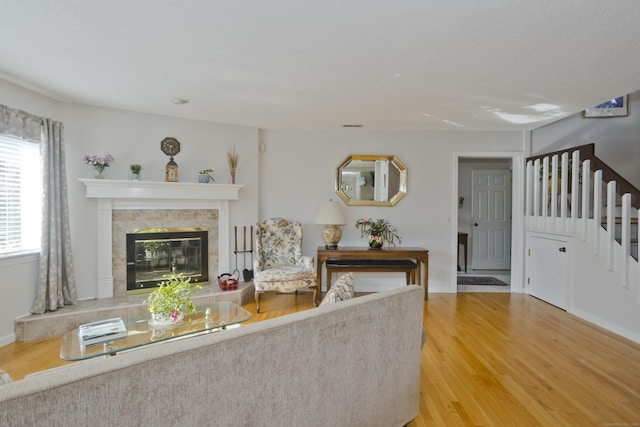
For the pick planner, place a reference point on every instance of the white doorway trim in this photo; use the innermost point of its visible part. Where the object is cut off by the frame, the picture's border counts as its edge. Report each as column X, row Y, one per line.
column 517, row 215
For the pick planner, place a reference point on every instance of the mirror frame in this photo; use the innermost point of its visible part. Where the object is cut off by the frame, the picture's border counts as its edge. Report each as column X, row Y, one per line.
column 402, row 190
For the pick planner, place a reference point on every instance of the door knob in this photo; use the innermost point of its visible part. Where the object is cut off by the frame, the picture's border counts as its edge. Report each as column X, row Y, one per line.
column 475, row 224
column 563, row 249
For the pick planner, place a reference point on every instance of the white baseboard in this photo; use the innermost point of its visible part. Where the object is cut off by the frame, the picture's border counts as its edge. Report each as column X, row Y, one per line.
column 373, row 288
column 606, row 325
column 7, row 339
column 441, row 290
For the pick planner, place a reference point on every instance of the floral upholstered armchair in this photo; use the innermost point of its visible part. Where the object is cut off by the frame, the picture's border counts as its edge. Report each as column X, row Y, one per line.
column 279, row 265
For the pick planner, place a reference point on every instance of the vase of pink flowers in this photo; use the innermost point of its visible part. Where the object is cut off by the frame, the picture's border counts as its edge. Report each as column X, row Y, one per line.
column 99, row 163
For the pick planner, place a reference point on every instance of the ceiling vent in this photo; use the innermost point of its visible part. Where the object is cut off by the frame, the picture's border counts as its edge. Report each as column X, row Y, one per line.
column 179, row 101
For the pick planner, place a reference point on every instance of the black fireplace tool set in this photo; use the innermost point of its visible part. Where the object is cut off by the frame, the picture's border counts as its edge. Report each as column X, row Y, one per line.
column 247, row 274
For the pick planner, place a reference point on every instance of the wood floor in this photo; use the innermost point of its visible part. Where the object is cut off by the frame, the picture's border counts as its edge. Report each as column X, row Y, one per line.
column 491, row 359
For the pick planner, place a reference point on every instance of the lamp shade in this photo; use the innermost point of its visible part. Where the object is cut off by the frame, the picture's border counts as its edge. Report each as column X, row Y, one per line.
column 330, row 214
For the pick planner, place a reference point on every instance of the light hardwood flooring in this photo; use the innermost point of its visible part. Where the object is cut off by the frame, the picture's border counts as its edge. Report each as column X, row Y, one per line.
column 491, row 359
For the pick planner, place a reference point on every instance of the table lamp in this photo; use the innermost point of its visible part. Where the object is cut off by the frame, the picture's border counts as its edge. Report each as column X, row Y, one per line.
column 331, row 217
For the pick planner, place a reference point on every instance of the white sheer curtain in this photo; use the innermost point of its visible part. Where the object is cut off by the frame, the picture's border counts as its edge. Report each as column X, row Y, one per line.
column 56, row 280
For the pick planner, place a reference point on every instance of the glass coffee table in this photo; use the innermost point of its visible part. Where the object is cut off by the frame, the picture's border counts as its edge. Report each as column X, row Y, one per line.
column 211, row 318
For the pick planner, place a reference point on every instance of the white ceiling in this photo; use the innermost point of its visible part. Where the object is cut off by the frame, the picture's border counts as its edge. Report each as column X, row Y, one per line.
column 320, row 64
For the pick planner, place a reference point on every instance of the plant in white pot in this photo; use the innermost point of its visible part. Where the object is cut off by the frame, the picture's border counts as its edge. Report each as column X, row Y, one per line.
column 135, row 171
column 171, row 300
column 204, row 176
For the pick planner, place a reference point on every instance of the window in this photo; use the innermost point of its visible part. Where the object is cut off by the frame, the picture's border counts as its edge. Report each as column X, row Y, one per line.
column 20, row 196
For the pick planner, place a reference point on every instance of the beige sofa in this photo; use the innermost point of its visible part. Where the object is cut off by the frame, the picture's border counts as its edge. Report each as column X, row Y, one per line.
column 352, row 363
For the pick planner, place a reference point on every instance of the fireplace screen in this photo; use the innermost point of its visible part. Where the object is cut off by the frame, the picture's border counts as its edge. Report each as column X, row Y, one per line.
column 155, row 253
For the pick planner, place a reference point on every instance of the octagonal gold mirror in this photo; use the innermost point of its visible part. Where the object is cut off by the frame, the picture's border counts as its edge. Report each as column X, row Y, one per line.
column 371, row 180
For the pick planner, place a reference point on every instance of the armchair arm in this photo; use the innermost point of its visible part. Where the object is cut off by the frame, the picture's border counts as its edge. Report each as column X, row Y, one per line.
column 308, row 262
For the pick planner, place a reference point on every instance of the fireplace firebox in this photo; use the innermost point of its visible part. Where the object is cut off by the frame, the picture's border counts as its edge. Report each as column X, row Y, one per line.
column 153, row 254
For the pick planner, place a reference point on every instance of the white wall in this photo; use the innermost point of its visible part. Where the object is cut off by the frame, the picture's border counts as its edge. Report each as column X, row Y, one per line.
column 616, row 139
column 298, row 174
column 17, row 97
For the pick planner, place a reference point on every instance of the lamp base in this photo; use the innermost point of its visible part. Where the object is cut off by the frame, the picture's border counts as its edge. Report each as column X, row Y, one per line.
column 331, row 234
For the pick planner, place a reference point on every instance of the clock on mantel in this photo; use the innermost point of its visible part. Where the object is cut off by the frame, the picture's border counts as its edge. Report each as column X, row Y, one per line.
column 170, row 147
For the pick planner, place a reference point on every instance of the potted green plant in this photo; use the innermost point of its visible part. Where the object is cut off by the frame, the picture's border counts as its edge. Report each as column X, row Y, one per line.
column 378, row 232
column 135, row 171
column 171, row 300
column 204, row 176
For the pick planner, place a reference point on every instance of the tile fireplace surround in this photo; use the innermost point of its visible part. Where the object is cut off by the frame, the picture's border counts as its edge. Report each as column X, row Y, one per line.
column 180, row 204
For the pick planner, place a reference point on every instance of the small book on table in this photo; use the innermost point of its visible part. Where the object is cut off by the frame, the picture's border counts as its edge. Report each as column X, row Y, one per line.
column 102, row 331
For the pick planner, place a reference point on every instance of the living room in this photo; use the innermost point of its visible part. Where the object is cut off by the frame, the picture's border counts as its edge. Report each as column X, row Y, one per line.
column 428, row 82
column 287, row 172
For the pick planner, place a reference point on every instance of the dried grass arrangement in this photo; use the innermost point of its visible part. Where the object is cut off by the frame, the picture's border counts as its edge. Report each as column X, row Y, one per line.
column 232, row 159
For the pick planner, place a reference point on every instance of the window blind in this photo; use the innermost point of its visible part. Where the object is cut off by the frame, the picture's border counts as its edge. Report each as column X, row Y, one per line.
column 20, row 190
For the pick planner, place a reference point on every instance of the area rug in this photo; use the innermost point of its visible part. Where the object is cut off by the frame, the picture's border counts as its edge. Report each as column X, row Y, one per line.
column 480, row 281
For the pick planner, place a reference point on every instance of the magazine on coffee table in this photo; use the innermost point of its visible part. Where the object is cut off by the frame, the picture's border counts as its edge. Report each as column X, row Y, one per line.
column 102, row 331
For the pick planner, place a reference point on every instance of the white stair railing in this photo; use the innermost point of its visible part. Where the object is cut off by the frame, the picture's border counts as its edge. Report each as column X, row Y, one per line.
column 570, row 201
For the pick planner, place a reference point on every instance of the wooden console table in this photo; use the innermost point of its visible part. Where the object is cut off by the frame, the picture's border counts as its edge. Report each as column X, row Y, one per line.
column 420, row 255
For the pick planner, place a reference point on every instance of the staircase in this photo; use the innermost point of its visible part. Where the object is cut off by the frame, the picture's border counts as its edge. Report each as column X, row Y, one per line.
column 617, row 225
column 574, row 193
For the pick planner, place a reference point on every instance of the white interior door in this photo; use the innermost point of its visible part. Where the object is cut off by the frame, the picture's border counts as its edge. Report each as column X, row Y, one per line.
column 491, row 219
column 548, row 263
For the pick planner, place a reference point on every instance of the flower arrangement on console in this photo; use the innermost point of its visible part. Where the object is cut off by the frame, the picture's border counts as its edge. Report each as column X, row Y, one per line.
column 378, row 232
column 99, row 163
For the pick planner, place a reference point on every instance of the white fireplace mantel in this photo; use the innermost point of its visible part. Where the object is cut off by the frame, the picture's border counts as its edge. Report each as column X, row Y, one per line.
column 119, row 194
column 119, row 189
